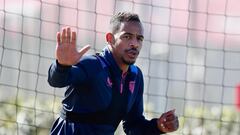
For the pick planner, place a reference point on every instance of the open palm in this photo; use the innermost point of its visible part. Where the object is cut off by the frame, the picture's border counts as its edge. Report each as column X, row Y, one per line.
column 66, row 51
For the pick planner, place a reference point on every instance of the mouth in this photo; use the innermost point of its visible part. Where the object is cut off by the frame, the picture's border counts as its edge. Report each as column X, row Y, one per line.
column 132, row 54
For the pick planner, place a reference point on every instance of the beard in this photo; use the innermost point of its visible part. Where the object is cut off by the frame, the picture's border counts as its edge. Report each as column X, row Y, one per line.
column 127, row 62
column 130, row 62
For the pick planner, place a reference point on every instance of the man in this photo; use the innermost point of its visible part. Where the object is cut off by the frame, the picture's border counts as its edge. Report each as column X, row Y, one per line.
column 104, row 89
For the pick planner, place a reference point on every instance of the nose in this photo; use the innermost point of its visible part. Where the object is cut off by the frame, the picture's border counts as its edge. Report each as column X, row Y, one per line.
column 134, row 43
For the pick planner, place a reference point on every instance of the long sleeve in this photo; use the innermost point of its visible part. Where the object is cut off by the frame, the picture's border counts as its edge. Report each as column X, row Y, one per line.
column 135, row 123
column 62, row 76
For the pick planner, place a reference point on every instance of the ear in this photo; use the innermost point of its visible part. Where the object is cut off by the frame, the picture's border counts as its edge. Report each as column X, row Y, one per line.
column 110, row 38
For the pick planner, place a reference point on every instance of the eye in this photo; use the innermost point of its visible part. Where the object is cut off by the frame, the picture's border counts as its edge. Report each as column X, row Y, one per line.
column 140, row 38
column 127, row 36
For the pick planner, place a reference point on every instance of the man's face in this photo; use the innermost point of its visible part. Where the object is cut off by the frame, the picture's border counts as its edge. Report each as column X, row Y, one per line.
column 128, row 42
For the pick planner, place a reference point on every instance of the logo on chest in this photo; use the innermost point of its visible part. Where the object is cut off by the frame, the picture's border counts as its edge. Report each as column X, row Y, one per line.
column 109, row 82
column 131, row 86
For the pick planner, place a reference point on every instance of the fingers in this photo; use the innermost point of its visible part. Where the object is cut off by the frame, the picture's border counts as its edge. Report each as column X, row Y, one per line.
column 173, row 124
column 66, row 51
column 167, row 116
column 84, row 50
column 168, row 122
column 170, row 115
column 66, row 36
column 170, row 112
column 73, row 40
column 58, row 38
column 63, row 36
column 169, row 126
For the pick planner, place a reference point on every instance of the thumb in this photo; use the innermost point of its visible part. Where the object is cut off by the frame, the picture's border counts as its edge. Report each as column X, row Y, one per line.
column 170, row 112
column 173, row 110
column 167, row 114
column 84, row 50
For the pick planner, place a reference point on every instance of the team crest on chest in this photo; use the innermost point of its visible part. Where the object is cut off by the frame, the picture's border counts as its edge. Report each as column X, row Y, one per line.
column 109, row 82
column 131, row 86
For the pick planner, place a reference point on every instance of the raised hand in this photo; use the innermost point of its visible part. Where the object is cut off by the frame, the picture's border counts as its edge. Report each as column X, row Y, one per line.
column 66, row 51
column 168, row 122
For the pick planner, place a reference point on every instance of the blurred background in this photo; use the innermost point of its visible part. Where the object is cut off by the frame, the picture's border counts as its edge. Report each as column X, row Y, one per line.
column 190, row 60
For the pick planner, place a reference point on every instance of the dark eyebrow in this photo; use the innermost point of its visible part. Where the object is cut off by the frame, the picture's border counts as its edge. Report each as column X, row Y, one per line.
column 128, row 33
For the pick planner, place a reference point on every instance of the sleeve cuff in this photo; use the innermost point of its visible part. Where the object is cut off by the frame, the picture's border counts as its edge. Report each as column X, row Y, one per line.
column 154, row 122
column 60, row 67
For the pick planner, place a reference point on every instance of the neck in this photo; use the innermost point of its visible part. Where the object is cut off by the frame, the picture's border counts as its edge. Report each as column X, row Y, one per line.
column 124, row 67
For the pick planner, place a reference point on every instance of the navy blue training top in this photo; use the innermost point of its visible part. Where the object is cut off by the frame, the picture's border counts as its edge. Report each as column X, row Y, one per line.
column 90, row 89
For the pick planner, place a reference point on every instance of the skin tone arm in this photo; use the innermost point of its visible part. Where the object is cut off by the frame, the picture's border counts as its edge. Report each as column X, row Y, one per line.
column 66, row 51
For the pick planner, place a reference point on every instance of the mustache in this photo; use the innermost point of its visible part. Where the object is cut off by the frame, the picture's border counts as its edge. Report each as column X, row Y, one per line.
column 132, row 50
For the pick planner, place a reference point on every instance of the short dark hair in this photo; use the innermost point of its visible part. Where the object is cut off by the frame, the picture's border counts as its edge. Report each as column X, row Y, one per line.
column 121, row 17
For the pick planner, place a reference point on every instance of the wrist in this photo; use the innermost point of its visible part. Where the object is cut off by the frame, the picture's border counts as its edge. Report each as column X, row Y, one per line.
column 61, row 68
column 161, row 126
